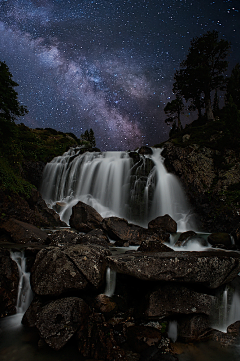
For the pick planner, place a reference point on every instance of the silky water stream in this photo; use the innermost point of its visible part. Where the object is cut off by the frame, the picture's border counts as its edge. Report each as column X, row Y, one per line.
column 113, row 184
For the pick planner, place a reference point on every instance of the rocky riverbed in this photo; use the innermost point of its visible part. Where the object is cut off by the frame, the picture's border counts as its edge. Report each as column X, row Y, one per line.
column 157, row 287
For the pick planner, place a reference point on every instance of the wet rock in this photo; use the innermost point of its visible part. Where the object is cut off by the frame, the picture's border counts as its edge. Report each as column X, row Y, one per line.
column 53, row 273
column 33, row 210
column 105, row 304
column 30, row 316
column 145, row 150
column 98, row 342
column 192, row 327
column 172, row 300
column 120, row 230
column 85, row 218
column 165, row 223
column 234, row 329
column 57, row 271
column 185, row 236
column 220, row 240
column 154, row 354
column 135, row 156
column 59, row 320
column 91, row 261
column 61, row 237
column 153, row 246
column 9, row 278
column 139, row 338
column 224, row 339
column 210, row 268
column 155, row 235
column 96, row 236
column 21, row 232
column 191, row 238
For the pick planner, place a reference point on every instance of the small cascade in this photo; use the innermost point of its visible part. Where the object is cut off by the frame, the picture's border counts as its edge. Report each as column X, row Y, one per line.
column 172, row 330
column 24, row 289
column 228, row 309
column 110, row 282
column 115, row 184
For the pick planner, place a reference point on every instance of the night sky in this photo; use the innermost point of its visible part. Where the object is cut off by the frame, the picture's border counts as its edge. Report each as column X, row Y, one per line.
column 106, row 65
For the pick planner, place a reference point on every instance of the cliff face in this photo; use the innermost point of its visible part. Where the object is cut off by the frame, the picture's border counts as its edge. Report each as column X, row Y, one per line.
column 211, row 179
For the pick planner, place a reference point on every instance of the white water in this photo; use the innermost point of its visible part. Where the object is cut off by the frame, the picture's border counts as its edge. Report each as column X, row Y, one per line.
column 172, row 331
column 24, row 297
column 102, row 180
column 110, row 282
column 229, row 309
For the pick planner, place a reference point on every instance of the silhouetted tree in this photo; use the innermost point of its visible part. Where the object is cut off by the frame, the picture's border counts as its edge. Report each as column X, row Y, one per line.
column 174, row 109
column 233, row 86
column 10, row 108
column 202, row 71
column 88, row 136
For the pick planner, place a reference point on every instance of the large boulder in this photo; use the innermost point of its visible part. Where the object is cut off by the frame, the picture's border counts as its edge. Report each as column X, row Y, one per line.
column 164, row 223
column 85, row 218
column 62, row 238
column 16, row 231
column 220, row 240
column 57, row 271
column 9, row 278
column 152, row 245
column 173, row 300
column 193, row 327
column 120, row 230
column 59, row 320
column 210, row 268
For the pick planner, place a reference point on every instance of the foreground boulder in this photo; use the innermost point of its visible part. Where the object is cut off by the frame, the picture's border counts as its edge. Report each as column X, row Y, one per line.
column 21, row 232
column 57, row 271
column 84, row 218
column 59, row 320
column 210, row 268
column 173, row 300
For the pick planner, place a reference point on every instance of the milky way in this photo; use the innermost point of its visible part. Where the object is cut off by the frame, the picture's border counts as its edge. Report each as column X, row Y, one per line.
column 106, row 65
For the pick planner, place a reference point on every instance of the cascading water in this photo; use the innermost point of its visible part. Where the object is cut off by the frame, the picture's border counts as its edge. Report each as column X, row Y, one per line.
column 24, row 289
column 228, row 309
column 115, row 184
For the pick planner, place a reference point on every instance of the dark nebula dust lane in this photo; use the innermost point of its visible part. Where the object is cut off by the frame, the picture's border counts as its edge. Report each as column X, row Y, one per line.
column 106, row 65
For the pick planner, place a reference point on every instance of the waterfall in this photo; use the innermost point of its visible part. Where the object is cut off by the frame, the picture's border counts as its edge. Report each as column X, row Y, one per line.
column 228, row 308
column 115, row 184
column 24, row 296
column 110, row 282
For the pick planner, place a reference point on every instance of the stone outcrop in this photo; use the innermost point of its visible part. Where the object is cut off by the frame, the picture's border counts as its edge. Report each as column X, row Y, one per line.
column 84, row 218
column 210, row 269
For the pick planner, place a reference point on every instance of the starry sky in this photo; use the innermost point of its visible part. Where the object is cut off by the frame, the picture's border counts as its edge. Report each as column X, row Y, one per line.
column 106, row 65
